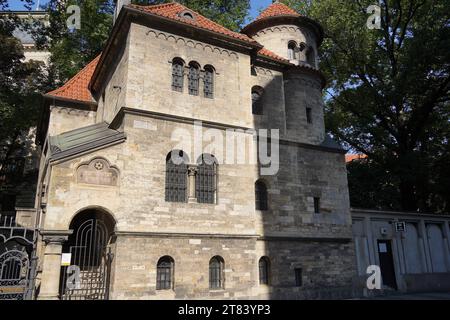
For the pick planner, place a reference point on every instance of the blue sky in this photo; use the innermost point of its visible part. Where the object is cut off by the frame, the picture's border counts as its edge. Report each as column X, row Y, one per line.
column 256, row 5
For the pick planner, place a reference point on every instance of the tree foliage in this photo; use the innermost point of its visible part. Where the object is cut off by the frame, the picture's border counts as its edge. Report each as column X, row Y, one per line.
column 21, row 84
column 70, row 48
column 388, row 91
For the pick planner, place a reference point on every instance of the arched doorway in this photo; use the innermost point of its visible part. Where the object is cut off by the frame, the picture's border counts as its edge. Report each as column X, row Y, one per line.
column 89, row 250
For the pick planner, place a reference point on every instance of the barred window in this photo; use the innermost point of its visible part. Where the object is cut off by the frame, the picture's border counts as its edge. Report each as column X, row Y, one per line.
column 176, row 176
column 264, row 269
column 206, row 179
column 194, row 76
column 177, row 75
column 216, row 275
column 257, row 93
column 260, row 195
column 164, row 273
column 209, row 82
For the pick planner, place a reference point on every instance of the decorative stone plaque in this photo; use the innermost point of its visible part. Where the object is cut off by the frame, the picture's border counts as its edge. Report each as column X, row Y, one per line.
column 98, row 171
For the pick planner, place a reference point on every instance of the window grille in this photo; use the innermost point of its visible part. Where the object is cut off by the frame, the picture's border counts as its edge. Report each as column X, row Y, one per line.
column 264, row 270
column 216, row 278
column 176, row 179
column 205, row 180
column 164, row 273
column 177, row 75
column 209, row 83
column 194, row 76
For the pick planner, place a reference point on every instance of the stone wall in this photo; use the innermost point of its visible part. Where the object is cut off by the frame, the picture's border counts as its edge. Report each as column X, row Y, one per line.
column 129, row 183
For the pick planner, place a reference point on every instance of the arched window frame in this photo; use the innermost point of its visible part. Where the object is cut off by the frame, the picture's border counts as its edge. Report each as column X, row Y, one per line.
column 206, row 179
column 178, row 74
column 292, row 50
column 264, row 270
column 194, row 78
column 209, row 81
column 165, row 273
column 257, row 96
column 176, row 176
column 261, row 196
column 216, row 273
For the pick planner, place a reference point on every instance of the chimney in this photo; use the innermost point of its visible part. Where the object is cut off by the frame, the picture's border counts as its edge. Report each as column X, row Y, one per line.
column 119, row 5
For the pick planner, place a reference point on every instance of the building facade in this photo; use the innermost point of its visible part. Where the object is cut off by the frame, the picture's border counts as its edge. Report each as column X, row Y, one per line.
column 129, row 207
column 412, row 249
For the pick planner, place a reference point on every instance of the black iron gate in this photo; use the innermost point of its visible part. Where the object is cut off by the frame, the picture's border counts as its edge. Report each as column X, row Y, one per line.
column 17, row 261
column 87, row 275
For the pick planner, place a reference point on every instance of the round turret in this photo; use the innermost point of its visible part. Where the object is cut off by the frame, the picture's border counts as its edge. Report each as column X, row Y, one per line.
column 290, row 35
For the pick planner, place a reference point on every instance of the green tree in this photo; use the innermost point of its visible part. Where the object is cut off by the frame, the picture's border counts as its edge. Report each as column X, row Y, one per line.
column 21, row 84
column 71, row 49
column 229, row 13
column 388, row 90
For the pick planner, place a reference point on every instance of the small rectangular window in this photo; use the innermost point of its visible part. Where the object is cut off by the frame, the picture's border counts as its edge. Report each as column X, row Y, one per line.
column 316, row 205
column 309, row 115
column 298, row 277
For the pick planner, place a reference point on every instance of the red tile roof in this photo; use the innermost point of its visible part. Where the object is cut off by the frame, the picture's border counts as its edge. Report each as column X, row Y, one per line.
column 77, row 87
column 277, row 9
column 267, row 53
column 350, row 157
column 172, row 11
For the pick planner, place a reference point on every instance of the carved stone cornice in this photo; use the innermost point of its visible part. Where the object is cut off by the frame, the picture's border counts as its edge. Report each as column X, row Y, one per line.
column 55, row 236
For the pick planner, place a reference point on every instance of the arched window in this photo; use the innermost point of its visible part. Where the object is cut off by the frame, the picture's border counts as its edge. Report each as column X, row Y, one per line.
column 164, row 273
column 264, row 270
column 257, row 106
column 176, row 176
column 292, row 50
column 194, row 76
column 216, row 275
column 186, row 14
column 177, row 74
column 260, row 195
column 209, row 82
column 206, row 179
column 311, row 57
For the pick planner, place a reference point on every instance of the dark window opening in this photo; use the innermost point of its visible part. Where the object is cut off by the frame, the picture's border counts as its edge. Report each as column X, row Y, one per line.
column 176, row 176
column 177, row 75
column 216, row 276
column 298, row 277
column 194, row 77
column 260, row 196
column 209, row 82
column 309, row 115
column 264, row 269
column 206, row 179
column 292, row 51
column 316, row 205
column 164, row 273
column 257, row 106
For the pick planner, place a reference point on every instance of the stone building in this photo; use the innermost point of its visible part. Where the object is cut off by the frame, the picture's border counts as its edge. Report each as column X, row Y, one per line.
column 412, row 249
column 122, row 216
